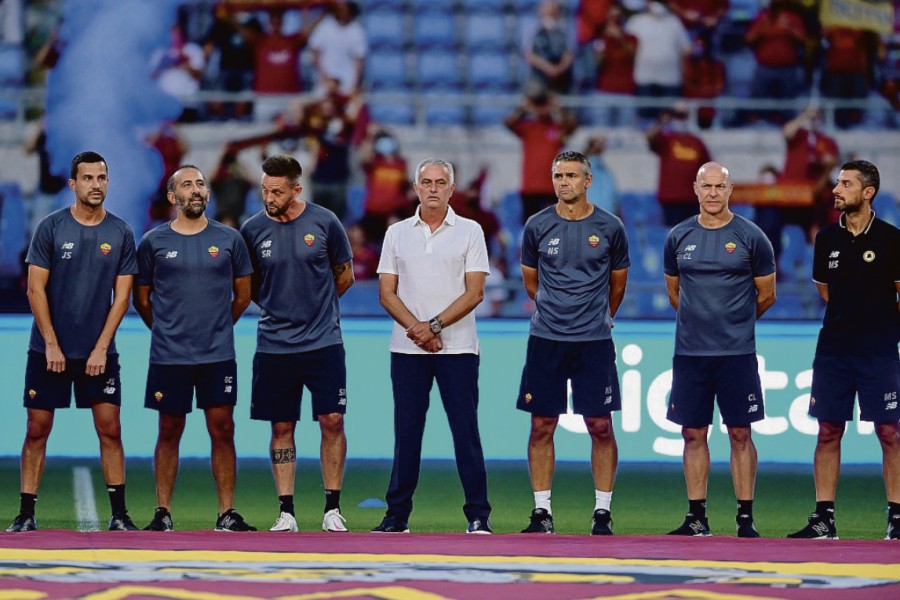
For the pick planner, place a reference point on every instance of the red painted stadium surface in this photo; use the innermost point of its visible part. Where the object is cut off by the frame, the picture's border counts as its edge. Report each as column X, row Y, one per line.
column 66, row 564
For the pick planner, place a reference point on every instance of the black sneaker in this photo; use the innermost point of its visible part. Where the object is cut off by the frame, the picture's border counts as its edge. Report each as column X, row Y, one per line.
column 820, row 527
column 480, row 526
column 121, row 522
column 162, row 521
column 541, row 522
column 392, row 524
column 893, row 530
column 23, row 522
column 693, row 526
column 745, row 527
column 231, row 520
column 600, row 522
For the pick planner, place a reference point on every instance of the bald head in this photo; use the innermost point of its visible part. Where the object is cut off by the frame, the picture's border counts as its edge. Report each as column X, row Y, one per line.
column 714, row 167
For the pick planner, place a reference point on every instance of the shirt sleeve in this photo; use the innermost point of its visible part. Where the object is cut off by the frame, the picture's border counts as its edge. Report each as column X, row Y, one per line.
column 40, row 252
column 128, row 260
column 240, row 257
column 762, row 260
column 145, row 260
column 339, row 250
column 476, row 255
column 670, row 264
column 530, row 246
column 388, row 262
column 620, row 258
column 820, row 261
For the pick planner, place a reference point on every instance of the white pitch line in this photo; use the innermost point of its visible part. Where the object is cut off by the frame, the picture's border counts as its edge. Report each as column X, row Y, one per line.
column 85, row 504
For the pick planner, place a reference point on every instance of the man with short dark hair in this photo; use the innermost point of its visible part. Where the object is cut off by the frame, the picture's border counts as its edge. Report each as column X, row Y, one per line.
column 299, row 248
column 856, row 268
column 574, row 266
column 79, row 258
column 720, row 278
column 194, row 283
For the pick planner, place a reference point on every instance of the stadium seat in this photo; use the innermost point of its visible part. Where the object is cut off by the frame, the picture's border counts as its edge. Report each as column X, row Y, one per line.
column 393, row 113
column 385, row 5
column 640, row 207
column 356, row 196
column 434, row 29
column 439, row 69
column 490, row 71
column 12, row 65
column 489, row 110
column 743, row 10
column 485, row 6
column 386, row 30
column 486, row 31
column 793, row 261
column 748, row 211
column 441, row 108
column 13, row 228
column 387, row 71
column 446, row 6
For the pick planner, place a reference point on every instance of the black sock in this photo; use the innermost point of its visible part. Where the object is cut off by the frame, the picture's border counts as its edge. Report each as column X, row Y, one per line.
column 117, row 498
column 745, row 507
column 26, row 503
column 287, row 504
column 697, row 508
column 332, row 499
column 893, row 509
column 823, row 507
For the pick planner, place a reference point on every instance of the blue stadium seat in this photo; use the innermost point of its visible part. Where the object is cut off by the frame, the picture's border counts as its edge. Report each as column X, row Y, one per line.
column 490, row 71
column 12, row 65
column 439, row 69
column 748, row 211
column 886, row 207
column 794, row 263
column 386, row 30
column 434, row 29
column 441, row 109
column 486, row 31
column 385, row 5
column 640, row 207
column 13, row 228
column 739, row 69
column 486, row 6
column 392, row 114
column 447, row 6
column 743, row 10
column 356, row 197
column 387, row 71
column 488, row 112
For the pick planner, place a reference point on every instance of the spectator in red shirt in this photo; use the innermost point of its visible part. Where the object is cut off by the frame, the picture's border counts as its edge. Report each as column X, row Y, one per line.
column 777, row 37
column 681, row 154
column 614, row 50
column 704, row 77
column 365, row 257
column 543, row 126
column 847, row 74
column 387, row 183
column 700, row 18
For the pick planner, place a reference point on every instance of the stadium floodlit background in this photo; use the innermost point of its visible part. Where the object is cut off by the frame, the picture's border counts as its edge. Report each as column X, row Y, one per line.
column 440, row 77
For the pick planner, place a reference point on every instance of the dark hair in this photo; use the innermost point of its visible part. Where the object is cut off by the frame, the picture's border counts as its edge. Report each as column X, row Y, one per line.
column 353, row 8
column 85, row 157
column 282, row 165
column 170, row 184
column 868, row 173
column 573, row 156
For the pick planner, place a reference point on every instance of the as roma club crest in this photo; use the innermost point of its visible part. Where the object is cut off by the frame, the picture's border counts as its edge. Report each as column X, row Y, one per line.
column 105, row 248
column 32, row 394
column 594, row 241
column 309, row 239
column 729, row 247
column 213, row 251
column 158, row 396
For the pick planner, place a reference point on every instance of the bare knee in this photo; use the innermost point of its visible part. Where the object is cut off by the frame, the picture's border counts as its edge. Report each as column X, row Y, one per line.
column 38, row 427
column 599, row 428
column 830, row 433
column 283, row 432
column 221, row 431
column 542, row 428
column 888, row 434
column 740, row 437
column 332, row 425
column 694, row 436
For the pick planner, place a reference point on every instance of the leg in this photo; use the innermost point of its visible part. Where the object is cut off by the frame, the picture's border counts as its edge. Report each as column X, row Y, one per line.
column 827, row 460
column 109, row 432
column 165, row 457
column 220, row 424
column 744, row 462
column 541, row 452
column 604, row 452
column 457, row 378
column 34, row 450
column 696, row 461
column 889, row 436
column 284, row 456
column 333, row 450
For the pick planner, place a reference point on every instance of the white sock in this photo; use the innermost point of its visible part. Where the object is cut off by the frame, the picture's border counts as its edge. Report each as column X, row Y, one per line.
column 542, row 500
column 602, row 500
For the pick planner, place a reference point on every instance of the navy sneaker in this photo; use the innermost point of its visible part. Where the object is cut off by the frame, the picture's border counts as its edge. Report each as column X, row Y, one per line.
column 121, row 522
column 541, row 522
column 745, row 527
column 693, row 526
column 392, row 524
column 819, row 527
column 23, row 522
column 162, row 521
column 601, row 522
column 480, row 527
column 893, row 530
column 231, row 520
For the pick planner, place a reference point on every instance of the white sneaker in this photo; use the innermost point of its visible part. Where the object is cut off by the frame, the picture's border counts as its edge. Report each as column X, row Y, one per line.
column 334, row 521
column 285, row 522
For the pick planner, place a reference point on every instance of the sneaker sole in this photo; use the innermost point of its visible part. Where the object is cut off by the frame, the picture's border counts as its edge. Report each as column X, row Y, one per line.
column 479, row 533
column 279, row 530
column 335, row 530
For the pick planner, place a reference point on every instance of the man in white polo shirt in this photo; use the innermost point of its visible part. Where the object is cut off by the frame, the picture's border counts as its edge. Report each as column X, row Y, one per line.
column 431, row 275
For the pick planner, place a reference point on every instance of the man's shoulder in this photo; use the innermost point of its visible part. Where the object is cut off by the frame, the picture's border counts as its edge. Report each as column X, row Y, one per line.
column 254, row 223
column 116, row 222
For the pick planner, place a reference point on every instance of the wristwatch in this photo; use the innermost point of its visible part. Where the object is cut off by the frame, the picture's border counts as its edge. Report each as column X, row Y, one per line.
column 436, row 325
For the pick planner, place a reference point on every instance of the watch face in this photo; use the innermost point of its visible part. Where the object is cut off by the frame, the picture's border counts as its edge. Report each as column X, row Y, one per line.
column 435, row 327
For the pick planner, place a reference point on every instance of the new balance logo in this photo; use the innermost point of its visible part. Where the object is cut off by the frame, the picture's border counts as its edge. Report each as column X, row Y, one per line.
column 890, row 405
column 266, row 244
column 109, row 390
column 690, row 248
column 68, row 245
column 820, row 527
column 553, row 242
column 172, row 254
column 696, row 526
column 834, row 254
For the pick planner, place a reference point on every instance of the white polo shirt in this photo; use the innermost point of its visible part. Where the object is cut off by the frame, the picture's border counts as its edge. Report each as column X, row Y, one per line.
column 431, row 270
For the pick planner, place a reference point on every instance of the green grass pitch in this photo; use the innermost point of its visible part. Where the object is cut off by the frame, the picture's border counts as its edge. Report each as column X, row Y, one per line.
column 649, row 499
